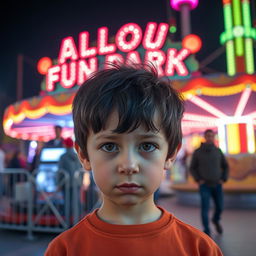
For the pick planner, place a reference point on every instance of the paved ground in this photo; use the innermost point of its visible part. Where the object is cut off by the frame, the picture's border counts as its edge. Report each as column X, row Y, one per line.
column 238, row 238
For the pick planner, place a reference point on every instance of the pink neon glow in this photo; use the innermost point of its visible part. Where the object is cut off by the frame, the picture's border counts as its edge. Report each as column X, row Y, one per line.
column 34, row 133
column 38, row 129
column 243, row 101
column 103, row 46
column 175, row 62
column 121, row 37
column 67, row 50
column 206, row 106
column 86, row 68
column 199, row 118
column 190, row 124
column 114, row 58
column 52, row 77
column 176, row 4
column 157, row 58
column 85, row 51
column 155, row 40
column 133, row 57
column 252, row 114
column 68, row 74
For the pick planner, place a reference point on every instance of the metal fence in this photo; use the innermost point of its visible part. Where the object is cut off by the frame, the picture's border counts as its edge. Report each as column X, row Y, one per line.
column 25, row 205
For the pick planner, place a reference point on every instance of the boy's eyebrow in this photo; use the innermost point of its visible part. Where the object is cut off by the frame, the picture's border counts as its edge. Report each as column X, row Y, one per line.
column 116, row 135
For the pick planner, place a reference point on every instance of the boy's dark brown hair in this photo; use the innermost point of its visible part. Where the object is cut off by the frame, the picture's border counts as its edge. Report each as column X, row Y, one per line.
column 136, row 93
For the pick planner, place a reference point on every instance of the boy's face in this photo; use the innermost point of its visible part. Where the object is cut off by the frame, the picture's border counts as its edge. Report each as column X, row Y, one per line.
column 127, row 167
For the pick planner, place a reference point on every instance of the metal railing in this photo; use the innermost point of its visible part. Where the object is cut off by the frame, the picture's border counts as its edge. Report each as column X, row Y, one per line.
column 16, row 200
column 86, row 196
column 24, row 205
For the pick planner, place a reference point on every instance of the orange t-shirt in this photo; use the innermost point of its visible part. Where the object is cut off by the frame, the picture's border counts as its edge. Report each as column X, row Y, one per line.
column 166, row 236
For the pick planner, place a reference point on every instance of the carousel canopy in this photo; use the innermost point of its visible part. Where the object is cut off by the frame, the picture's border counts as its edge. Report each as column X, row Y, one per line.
column 210, row 102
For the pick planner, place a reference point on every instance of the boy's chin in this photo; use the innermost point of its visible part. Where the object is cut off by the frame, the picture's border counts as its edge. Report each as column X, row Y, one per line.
column 132, row 201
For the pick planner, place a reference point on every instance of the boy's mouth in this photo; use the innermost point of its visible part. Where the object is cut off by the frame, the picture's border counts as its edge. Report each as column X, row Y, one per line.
column 128, row 187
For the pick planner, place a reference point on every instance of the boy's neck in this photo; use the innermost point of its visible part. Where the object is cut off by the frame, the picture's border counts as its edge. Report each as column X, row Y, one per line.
column 129, row 215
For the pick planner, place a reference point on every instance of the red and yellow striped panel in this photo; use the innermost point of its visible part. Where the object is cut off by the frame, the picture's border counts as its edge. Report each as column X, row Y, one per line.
column 237, row 138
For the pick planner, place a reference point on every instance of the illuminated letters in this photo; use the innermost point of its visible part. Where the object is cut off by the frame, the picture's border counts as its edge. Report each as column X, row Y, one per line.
column 175, row 62
column 121, row 37
column 85, row 69
column 160, row 36
column 103, row 47
column 84, row 51
column 157, row 58
column 67, row 50
column 75, row 64
column 52, row 77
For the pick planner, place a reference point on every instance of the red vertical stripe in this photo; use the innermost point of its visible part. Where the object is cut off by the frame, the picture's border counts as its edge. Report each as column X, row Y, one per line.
column 243, row 138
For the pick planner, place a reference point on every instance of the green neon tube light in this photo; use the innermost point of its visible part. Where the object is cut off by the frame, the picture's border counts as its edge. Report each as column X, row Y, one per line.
column 246, row 14
column 231, row 64
column 227, row 16
column 249, row 59
column 237, row 12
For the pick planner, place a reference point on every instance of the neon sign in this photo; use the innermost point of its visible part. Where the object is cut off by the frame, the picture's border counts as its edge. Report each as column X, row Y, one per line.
column 76, row 64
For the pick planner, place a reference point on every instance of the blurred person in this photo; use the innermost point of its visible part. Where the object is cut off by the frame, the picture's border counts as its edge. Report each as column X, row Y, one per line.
column 57, row 142
column 2, row 158
column 209, row 169
column 17, row 160
column 2, row 167
column 36, row 158
column 69, row 163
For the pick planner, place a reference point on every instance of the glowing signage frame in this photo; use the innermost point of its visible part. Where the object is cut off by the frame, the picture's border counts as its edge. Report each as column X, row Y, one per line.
column 76, row 64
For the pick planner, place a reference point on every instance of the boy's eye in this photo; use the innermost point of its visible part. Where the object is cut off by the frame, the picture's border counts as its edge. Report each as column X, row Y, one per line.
column 109, row 147
column 147, row 147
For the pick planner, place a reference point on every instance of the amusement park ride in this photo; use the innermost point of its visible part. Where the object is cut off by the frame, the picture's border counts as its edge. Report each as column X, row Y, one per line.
column 222, row 102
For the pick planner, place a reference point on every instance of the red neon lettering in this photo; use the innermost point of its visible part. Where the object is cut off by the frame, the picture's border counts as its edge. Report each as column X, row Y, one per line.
column 114, row 58
column 103, row 46
column 68, row 74
column 157, row 58
column 121, row 37
column 85, row 51
column 85, row 69
column 52, row 77
column 155, row 40
column 175, row 62
column 133, row 57
column 67, row 50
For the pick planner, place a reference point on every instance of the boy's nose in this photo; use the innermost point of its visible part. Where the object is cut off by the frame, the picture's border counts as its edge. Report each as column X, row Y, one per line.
column 128, row 164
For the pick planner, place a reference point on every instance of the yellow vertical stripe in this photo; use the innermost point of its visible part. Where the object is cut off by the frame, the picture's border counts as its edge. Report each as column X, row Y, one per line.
column 233, row 139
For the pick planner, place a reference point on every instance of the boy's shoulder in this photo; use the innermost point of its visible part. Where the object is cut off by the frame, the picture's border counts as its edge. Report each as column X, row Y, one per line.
column 194, row 238
column 60, row 244
column 90, row 232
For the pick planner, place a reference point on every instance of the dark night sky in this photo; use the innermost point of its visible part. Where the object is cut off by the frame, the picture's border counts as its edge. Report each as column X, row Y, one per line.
column 36, row 28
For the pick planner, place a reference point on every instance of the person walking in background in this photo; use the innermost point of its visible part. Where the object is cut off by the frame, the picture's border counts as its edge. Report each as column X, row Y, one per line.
column 57, row 142
column 210, row 170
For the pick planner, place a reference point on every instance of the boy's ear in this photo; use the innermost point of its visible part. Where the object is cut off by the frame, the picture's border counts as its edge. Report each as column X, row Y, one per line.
column 83, row 159
column 169, row 161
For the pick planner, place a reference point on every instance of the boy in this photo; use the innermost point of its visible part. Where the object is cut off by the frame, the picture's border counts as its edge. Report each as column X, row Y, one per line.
column 127, row 124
